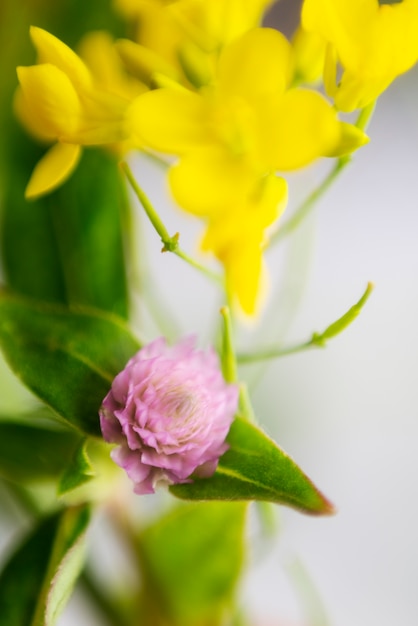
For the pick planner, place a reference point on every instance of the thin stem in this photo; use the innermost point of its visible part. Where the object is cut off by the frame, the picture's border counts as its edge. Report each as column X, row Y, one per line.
column 149, row 209
column 317, row 340
column 245, row 405
column 170, row 243
column 201, row 268
column 307, row 205
column 229, row 364
column 275, row 353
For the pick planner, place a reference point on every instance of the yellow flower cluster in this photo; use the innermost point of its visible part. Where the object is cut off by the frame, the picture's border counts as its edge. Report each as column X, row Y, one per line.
column 374, row 40
column 207, row 85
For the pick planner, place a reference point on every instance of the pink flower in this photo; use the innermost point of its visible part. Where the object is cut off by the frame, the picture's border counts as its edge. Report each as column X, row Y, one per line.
column 170, row 411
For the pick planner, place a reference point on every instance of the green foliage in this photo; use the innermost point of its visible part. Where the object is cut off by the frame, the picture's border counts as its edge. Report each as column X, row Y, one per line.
column 67, row 358
column 31, row 453
column 78, row 471
column 255, row 468
column 39, row 577
column 74, row 235
column 191, row 560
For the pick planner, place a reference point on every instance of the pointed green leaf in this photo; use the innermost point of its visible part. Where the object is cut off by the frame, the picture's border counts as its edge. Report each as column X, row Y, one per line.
column 67, row 358
column 38, row 579
column 255, row 468
column 191, row 560
column 30, row 453
column 78, row 471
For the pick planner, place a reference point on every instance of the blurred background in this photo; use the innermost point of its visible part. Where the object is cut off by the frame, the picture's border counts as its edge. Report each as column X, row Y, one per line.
column 347, row 414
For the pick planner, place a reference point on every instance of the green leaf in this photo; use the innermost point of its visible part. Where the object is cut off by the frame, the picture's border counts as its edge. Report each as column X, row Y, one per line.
column 30, row 453
column 67, row 358
column 191, row 560
column 67, row 246
column 78, row 471
column 86, row 214
column 345, row 320
column 255, row 468
column 39, row 577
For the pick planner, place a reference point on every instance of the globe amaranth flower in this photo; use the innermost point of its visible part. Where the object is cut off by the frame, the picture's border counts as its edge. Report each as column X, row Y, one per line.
column 374, row 41
column 60, row 102
column 234, row 134
column 169, row 411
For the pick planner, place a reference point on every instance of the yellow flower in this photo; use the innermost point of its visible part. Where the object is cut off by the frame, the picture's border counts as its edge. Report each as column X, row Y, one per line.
column 177, row 38
column 98, row 52
column 233, row 134
column 374, row 42
column 237, row 235
column 59, row 102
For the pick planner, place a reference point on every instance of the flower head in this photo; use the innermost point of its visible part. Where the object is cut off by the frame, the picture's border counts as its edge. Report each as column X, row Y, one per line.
column 374, row 41
column 60, row 102
column 168, row 32
column 232, row 136
column 170, row 411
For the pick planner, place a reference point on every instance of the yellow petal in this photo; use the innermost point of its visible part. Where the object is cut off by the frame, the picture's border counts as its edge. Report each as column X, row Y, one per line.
column 256, row 64
column 52, row 50
column 52, row 170
column 245, row 274
column 344, row 23
column 103, row 119
column 237, row 237
column 301, row 127
column 309, row 55
column 227, row 20
column 209, row 178
column 143, row 62
column 98, row 51
column 170, row 120
column 330, row 71
column 52, row 99
column 35, row 126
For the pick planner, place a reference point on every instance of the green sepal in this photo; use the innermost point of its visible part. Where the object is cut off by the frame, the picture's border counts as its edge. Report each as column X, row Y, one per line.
column 255, row 468
column 31, row 453
column 190, row 562
column 68, row 358
column 38, row 578
column 78, row 472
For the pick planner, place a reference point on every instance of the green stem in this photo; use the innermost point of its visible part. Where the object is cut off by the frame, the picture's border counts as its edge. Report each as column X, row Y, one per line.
column 229, row 364
column 244, row 359
column 245, row 405
column 318, row 340
column 307, row 205
column 230, row 369
column 170, row 243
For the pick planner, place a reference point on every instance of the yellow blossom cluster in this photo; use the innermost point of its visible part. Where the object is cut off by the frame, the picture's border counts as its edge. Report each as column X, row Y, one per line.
column 228, row 99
